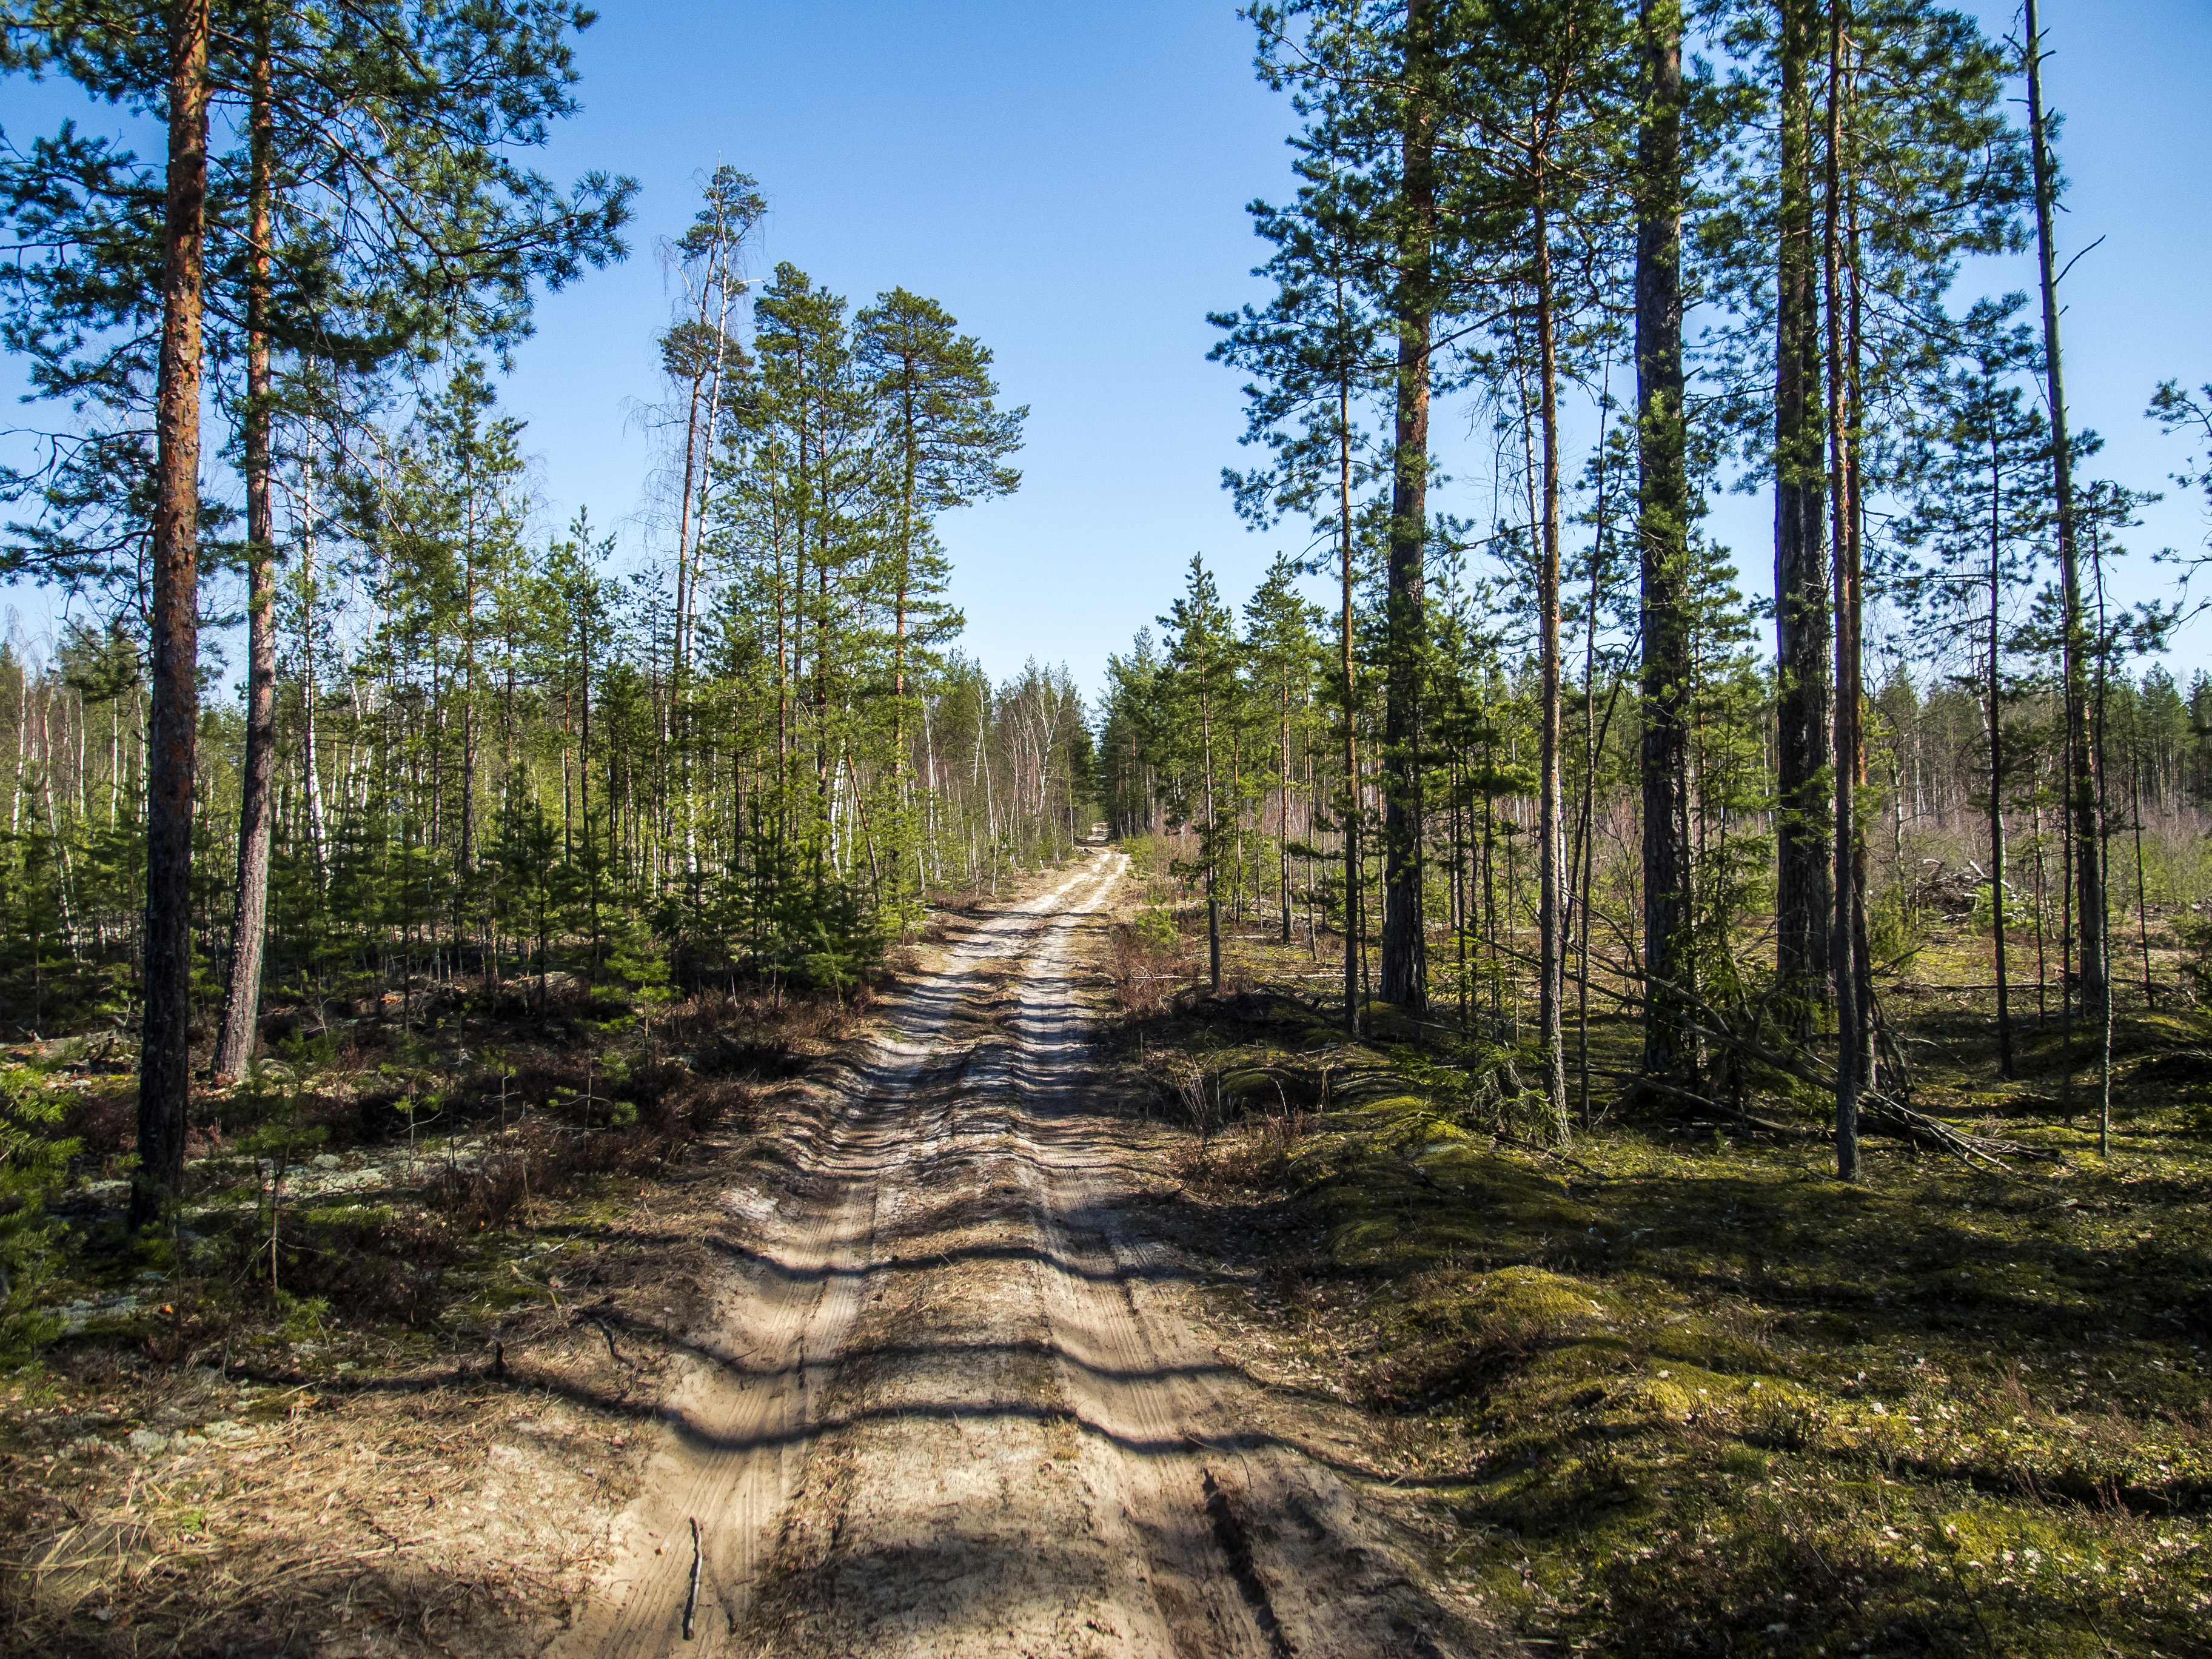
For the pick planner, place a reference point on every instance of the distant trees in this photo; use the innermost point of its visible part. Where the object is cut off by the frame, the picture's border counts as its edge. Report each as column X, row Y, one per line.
column 842, row 441
column 1976, row 473
column 490, row 760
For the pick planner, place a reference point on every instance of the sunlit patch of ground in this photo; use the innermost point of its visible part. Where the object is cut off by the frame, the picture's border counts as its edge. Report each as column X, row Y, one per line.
column 1679, row 1390
column 417, row 1437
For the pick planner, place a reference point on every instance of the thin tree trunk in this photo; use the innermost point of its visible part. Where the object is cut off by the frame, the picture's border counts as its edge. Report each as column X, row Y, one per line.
column 317, row 830
column 2082, row 779
column 250, row 910
column 1404, row 952
column 1996, row 776
column 1282, row 808
column 1663, row 526
column 1207, row 846
column 2104, row 921
column 1552, row 956
column 1345, row 637
column 2143, row 902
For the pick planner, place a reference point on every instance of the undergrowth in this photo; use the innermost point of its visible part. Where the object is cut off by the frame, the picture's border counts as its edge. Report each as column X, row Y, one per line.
column 422, row 1215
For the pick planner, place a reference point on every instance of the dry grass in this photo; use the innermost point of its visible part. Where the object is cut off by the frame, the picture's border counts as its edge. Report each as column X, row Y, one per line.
column 417, row 1446
column 420, row 1513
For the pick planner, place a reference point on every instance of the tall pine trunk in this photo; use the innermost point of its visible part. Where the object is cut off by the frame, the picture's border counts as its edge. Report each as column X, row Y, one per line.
column 1404, row 952
column 1995, row 691
column 1663, row 525
column 165, row 1060
column 318, row 833
column 1550, row 907
column 1844, row 933
column 1208, row 842
column 1345, row 626
column 1802, row 896
column 250, row 911
column 1283, row 809
column 2082, row 776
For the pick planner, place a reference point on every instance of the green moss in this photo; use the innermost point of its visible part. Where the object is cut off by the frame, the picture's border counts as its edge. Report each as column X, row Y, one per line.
column 1683, row 1395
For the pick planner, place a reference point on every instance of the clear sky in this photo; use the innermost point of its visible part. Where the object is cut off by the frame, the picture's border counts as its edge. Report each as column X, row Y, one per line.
column 1069, row 180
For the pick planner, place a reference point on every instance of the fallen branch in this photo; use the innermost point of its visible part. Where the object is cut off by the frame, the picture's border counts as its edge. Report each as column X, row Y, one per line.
column 1545, row 1151
column 1878, row 1111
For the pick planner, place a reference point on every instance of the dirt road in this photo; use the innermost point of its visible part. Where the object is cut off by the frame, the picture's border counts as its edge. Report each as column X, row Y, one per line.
column 947, row 1407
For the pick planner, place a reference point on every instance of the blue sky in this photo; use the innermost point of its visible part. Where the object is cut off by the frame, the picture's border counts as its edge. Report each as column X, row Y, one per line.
column 1070, row 181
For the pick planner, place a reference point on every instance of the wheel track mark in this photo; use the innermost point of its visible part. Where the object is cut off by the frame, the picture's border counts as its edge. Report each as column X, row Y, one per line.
column 1136, row 1406
column 1325, row 1584
column 1229, row 1532
column 739, row 1436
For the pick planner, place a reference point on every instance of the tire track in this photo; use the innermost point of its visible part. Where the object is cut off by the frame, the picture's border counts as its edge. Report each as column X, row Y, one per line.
column 955, row 1410
column 738, row 1422
column 1261, row 1552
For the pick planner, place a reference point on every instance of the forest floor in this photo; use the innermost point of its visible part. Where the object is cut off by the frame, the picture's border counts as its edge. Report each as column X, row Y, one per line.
column 1676, row 1389
column 909, row 1306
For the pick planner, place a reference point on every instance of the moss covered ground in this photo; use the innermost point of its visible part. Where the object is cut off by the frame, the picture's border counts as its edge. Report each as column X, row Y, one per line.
column 1675, row 1389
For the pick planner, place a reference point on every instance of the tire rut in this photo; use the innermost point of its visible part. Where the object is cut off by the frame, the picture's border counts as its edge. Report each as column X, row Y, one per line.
column 955, row 1412
column 738, row 1422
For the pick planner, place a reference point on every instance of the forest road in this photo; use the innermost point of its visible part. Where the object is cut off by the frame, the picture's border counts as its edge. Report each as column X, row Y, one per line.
column 949, row 1408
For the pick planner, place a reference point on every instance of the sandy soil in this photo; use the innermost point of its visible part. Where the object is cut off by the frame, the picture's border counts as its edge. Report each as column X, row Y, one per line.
column 953, row 1401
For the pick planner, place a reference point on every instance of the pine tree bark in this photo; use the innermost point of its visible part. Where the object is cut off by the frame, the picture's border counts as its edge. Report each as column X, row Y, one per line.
column 165, row 1058
column 1283, row 809
column 318, row 832
column 1550, row 908
column 2082, row 777
column 1843, row 934
column 1663, row 525
column 1345, row 623
column 1802, row 890
column 1206, row 841
column 1404, row 946
column 257, row 776
column 1995, row 694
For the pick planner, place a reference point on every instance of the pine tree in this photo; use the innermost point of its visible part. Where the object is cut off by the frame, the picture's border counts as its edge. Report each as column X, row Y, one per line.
column 446, row 108
column 1314, row 351
column 1198, row 703
column 1375, row 84
column 1282, row 652
column 2082, row 777
column 1662, row 541
column 1803, row 890
column 1548, row 96
column 946, row 443
column 1977, row 510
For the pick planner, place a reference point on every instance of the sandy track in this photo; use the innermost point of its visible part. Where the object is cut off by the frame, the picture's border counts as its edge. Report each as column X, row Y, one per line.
column 950, row 1410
